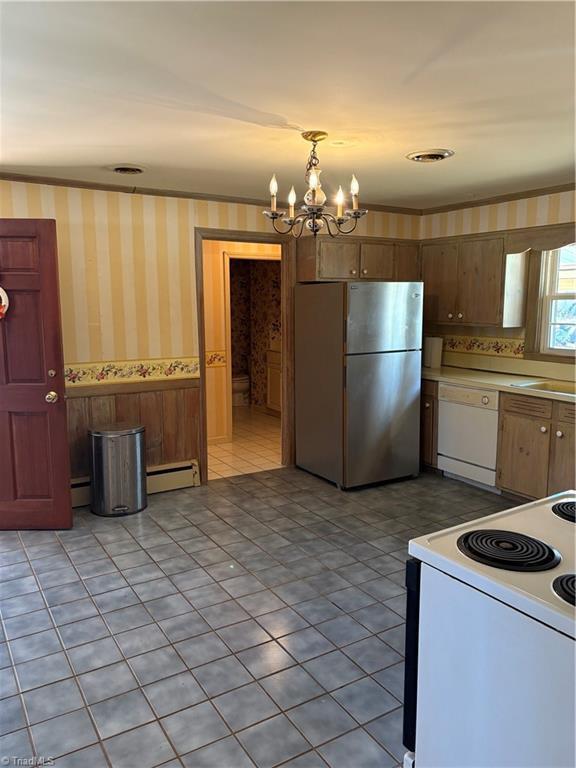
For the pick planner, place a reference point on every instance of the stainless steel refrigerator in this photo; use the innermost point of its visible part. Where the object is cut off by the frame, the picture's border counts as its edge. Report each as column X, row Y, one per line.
column 357, row 380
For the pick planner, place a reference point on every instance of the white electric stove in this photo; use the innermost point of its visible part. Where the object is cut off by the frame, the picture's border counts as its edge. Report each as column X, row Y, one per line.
column 490, row 665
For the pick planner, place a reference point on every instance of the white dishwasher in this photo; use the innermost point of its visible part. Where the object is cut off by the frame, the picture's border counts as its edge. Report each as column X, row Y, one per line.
column 468, row 432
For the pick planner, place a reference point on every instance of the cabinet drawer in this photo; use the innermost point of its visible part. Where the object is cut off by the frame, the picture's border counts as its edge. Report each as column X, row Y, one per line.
column 480, row 398
column 564, row 412
column 527, row 406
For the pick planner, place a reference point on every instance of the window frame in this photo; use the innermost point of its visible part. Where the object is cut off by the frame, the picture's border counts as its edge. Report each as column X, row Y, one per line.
column 549, row 294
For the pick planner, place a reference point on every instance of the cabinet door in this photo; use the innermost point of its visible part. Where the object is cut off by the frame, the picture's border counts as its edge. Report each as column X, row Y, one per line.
column 428, row 453
column 480, row 282
column 377, row 261
column 562, row 474
column 338, row 261
column 523, row 454
column 406, row 262
column 439, row 272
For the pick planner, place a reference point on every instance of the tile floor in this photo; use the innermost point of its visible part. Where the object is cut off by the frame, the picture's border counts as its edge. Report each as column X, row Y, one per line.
column 255, row 445
column 257, row 621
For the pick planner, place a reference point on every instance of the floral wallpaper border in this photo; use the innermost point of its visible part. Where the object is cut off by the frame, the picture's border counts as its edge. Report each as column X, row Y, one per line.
column 484, row 345
column 132, row 370
column 215, row 359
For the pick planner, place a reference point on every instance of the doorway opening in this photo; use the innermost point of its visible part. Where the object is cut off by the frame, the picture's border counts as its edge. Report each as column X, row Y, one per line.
column 242, row 289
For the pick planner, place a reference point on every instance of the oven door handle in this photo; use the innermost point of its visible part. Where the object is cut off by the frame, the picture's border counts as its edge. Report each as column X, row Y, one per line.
column 411, row 668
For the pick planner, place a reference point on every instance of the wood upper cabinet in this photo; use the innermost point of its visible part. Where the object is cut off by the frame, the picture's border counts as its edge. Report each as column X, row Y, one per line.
column 473, row 282
column 353, row 259
column 440, row 276
column 406, row 261
column 536, row 455
column 338, row 260
column 480, row 265
column 377, row 261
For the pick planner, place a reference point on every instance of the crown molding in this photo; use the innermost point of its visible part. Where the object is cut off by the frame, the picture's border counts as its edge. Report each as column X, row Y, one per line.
column 135, row 190
column 500, row 199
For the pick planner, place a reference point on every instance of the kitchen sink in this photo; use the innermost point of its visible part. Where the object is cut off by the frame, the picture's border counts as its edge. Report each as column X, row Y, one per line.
column 564, row 387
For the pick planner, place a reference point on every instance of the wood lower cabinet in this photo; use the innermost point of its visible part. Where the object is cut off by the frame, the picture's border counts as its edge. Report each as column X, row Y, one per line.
column 429, row 423
column 536, row 446
column 562, row 475
column 524, row 453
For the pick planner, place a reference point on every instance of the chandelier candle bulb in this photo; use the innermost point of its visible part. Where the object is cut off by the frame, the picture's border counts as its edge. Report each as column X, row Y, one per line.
column 291, row 202
column 273, row 192
column 354, row 190
column 339, row 202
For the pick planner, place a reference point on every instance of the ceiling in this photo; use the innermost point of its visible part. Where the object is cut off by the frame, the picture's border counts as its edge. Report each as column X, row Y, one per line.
column 210, row 97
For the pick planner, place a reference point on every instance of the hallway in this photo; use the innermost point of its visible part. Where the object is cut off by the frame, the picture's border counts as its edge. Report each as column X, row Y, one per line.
column 255, row 446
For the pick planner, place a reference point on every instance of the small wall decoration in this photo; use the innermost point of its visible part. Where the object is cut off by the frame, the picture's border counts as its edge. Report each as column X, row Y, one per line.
column 4, row 303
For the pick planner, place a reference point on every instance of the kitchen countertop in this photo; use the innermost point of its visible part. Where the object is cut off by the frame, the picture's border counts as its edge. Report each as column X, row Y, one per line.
column 503, row 382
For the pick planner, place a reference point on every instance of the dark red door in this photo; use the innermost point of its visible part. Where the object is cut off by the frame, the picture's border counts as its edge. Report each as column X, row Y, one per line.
column 34, row 459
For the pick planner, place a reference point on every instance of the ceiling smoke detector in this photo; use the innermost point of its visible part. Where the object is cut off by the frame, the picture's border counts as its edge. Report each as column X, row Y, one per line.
column 430, row 155
column 127, row 170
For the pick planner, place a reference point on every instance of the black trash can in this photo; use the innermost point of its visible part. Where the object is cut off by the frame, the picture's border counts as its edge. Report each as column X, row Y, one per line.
column 118, row 464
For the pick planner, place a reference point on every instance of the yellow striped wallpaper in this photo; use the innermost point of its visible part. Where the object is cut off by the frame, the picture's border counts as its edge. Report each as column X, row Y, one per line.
column 557, row 208
column 127, row 277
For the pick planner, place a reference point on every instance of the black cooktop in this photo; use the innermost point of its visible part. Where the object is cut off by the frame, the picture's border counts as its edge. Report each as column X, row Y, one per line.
column 565, row 587
column 508, row 550
column 566, row 510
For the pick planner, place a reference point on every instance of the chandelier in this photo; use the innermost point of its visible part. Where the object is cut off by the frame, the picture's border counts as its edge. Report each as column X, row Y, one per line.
column 313, row 214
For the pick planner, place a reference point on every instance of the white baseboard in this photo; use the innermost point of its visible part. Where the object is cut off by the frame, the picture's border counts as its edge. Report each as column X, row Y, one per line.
column 158, row 479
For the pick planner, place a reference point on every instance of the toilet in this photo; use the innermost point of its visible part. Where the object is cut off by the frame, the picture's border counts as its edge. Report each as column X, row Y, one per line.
column 241, row 389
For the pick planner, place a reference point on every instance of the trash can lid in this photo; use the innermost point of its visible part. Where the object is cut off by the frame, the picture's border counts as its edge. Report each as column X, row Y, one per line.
column 117, row 430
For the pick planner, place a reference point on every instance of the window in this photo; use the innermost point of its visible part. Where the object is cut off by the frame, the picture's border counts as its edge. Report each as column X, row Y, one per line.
column 559, row 301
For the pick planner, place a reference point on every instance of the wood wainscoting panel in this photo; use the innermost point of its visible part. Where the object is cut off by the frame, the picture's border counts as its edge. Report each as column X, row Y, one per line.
column 150, row 404
column 170, row 414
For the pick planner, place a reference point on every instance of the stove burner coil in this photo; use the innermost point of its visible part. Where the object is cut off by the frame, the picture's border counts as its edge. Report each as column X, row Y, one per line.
column 565, row 587
column 508, row 550
column 566, row 510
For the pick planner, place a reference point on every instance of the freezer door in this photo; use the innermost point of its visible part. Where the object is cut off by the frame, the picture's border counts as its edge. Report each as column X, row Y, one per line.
column 382, row 427
column 383, row 317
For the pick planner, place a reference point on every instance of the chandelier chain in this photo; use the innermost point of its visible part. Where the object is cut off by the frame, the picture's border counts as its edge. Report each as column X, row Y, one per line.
column 313, row 159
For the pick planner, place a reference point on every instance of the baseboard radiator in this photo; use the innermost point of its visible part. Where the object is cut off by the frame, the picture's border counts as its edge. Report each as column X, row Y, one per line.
column 168, row 477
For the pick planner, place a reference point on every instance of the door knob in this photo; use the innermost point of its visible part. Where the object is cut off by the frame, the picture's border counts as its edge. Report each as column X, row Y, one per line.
column 364, row 271
column 352, row 271
column 450, row 315
column 543, row 429
column 559, row 433
column 460, row 315
column 485, row 400
column 51, row 397
column 426, row 405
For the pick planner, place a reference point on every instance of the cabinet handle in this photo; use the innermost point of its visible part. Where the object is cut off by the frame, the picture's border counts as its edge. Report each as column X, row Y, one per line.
column 426, row 405
column 485, row 400
column 460, row 315
column 364, row 271
column 352, row 271
column 450, row 315
column 543, row 429
column 559, row 433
